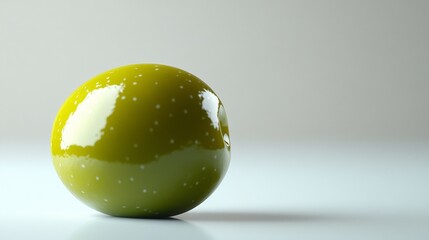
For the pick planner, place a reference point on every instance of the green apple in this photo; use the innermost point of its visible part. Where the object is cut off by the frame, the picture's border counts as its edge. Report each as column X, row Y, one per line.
column 142, row 140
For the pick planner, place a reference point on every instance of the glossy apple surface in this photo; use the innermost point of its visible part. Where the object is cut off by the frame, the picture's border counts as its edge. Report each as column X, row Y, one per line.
column 141, row 140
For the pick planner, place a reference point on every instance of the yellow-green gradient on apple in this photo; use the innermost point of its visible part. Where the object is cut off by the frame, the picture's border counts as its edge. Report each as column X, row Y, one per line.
column 143, row 140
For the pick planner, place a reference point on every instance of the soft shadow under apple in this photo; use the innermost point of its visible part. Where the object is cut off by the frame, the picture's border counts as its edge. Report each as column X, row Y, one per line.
column 110, row 228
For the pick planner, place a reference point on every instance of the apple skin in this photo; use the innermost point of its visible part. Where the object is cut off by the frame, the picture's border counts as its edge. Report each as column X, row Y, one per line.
column 143, row 140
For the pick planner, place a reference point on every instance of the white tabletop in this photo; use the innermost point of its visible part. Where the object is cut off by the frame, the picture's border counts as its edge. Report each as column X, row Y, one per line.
column 272, row 190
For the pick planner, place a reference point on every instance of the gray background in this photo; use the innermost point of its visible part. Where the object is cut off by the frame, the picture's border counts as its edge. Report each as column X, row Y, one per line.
column 328, row 103
column 286, row 70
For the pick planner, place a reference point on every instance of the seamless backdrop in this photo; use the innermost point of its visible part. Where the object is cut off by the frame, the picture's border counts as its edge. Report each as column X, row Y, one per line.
column 327, row 100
